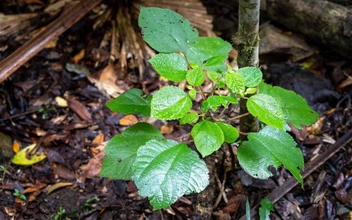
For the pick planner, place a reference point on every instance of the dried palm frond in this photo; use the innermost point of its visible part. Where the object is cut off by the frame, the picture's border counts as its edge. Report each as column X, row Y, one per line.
column 128, row 50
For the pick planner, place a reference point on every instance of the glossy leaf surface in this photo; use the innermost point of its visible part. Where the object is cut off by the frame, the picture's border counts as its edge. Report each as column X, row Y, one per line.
column 171, row 66
column 165, row 30
column 207, row 137
column 131, row 102
column 165, row 170
column 121, row 150
column 270, row 147
column 170, row 102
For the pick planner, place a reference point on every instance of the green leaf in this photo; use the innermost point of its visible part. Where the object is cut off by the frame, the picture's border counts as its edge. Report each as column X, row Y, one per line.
column 190, row 118
column 267, row 109
column 195, row 77
column 206, row 48
column 192, row 93
column 230, row 133
column 170, row 102
column 214, row 76
column 130, row 102
column 213, row 102
column 294, row 107
column 270, row 147
column 121, row 150
column 165, row 30
column 165, row 170
column 207, row 137
column 252, row 76
column 171, row 66
column 265, row 207
column 250, row 91
column 217, row 63
column 235, row 82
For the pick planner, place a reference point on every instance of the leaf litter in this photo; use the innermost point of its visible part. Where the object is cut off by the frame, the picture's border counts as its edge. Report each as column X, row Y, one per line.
column 74, row 137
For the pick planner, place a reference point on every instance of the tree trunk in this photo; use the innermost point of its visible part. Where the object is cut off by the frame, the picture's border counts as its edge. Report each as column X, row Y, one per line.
column 246, row 42
column 322, row 21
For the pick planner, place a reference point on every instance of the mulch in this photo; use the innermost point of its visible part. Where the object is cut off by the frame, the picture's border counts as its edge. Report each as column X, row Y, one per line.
column 73, row 135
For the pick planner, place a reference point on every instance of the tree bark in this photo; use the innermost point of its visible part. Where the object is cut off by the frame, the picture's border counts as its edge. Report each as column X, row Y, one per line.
column 246, row 42
column 324, row 22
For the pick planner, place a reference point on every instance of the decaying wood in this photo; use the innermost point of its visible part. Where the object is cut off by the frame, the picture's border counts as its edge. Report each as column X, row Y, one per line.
column 321, row 21
column 11, row 63
column 309, row 168
column 273, row 43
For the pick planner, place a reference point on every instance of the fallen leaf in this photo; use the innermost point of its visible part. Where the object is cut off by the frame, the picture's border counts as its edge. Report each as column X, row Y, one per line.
column 78, row 56
column 108, row 73
column 128, row 120
column 61, row 101
column 34, row 188
column 166, row 129
column 346, row 82
column 39, row 132
column 93, row 167
column 79, row 109
column 234, row 203
column 10, row 211
column 57, row 186
column 99, row 139
column 16, row 146
column 21, row 157
column 109, row 87
column 63, row 171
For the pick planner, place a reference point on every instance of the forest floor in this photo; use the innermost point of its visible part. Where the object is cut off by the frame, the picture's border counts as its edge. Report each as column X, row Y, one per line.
column 56, row 101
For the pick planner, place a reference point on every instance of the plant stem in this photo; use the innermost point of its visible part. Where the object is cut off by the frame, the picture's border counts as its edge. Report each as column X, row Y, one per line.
column 246, row 42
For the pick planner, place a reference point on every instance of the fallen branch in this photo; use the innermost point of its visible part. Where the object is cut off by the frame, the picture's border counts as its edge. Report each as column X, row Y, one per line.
column 292, row 182
column 11, row 63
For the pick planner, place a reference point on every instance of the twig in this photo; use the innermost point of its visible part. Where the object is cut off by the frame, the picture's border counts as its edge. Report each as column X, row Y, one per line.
column 292, row 182
column 19, row 114
column 239, row 116
column 11, row 63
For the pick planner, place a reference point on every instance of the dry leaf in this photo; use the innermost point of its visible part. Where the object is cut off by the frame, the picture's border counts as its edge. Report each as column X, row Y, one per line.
column 234, row 203
column 16, row 146
column 34, row 2
column 166, row 129
column 78, row 56
column 93, row 167
column 57, row 186
column 61, row 101
column 63, row 171
column 79, row 109
column 34, row 188
column 345, row 83
column 39, row 132
column 99, row 139
column 108, row 73
column 21, row 157
column 128, row 120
